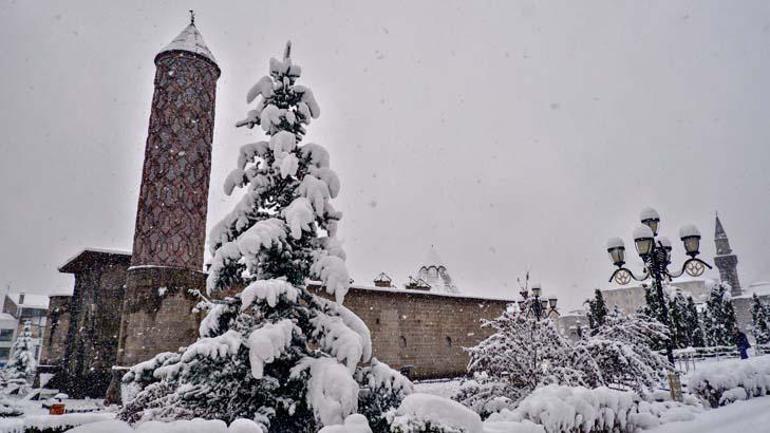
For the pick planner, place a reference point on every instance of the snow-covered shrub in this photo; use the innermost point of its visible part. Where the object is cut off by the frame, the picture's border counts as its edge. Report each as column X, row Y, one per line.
column 9, row 408
column 724, row 382
column 485, row 395
column 275, row 353
column 520, row 355
column 355, row 423
column 622, row 348
column 427, row 413
column 179, row 426
column 578, row 409
column 383, row 390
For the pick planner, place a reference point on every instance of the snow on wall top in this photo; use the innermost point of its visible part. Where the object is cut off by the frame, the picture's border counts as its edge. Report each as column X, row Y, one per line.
column 190, row 40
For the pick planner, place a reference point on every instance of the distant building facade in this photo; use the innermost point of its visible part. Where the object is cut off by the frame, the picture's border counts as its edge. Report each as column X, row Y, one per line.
column 17, row 309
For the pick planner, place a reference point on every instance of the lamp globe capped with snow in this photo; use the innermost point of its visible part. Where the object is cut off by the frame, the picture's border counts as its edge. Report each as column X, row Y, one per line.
column 655, row 252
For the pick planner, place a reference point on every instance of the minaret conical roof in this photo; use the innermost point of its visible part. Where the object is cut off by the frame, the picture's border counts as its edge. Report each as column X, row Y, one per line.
column 190, row 40
column 719, row 231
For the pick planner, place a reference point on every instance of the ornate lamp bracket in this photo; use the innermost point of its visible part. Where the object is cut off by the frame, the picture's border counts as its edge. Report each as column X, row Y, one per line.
column 694, row 267
column 623, row 276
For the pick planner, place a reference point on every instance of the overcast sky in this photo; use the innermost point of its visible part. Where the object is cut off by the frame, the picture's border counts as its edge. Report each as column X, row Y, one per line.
column 513, row 135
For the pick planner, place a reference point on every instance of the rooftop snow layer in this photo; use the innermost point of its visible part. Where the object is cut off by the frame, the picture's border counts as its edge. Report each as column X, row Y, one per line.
column 190, row 40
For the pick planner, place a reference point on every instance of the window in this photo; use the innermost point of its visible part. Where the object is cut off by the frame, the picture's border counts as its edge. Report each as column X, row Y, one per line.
column 6, row 334
column 448, row 341
column 402, row 341
column 5, row 352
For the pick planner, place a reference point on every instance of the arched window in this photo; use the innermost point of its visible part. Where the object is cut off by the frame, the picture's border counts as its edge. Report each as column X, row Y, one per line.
column 448, row 341
column 402, row 341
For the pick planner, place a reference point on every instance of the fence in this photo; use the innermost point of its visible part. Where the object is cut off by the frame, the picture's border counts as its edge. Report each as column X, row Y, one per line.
column 685, row 358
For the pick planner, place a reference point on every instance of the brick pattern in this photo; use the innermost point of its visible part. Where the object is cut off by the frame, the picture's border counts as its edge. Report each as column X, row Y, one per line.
column 423, row 331
column 171, row 215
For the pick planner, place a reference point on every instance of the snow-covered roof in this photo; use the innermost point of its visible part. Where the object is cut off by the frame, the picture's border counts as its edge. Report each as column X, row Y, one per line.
column 190, row 40
column 761, row 288
column 6, row 316
column 428, row 293
column 73, row 264
column 30, row 300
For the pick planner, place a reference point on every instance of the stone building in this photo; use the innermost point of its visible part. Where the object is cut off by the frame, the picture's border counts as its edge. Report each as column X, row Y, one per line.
column 82, row 333
column 125, row 307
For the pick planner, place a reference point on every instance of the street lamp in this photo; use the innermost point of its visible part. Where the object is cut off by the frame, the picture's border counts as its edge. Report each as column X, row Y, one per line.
column 534, row 305
column 655, row 252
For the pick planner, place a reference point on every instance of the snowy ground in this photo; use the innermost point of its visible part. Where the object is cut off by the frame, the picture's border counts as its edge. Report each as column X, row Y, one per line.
column 743, row 416
column 443, row 388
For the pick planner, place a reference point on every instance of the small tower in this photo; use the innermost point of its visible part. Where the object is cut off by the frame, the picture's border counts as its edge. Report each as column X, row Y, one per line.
column 169, row 239
column 725, row 260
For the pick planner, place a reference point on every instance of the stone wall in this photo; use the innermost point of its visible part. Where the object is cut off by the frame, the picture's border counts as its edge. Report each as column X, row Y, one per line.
column 157, row 313
column 420, row 331
column 94, row 321
column 56, row 330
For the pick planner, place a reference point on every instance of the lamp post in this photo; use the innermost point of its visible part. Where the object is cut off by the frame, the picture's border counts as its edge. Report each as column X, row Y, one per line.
column 655, row 252
column 535, row 306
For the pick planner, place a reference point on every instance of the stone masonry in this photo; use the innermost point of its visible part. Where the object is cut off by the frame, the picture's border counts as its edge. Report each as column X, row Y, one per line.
column 422, row 333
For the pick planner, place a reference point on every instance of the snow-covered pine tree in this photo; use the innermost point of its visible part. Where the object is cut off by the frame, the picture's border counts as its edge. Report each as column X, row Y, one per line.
column 694, row 324
column 760, row 320
column 276, row 353
column 677, row 319
column 622, row 349
column 597, row 310
column 22, row 363
column 653, row 303
column 720, row 320
column 521, row 354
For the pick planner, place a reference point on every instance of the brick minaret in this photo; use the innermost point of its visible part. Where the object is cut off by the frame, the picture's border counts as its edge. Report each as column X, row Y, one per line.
column 725, row 260
column 167, row 259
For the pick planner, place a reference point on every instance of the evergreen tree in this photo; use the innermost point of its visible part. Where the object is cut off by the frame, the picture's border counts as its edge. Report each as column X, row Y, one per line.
column 276, row 353
column 719, row 317
column 693, row 324
column 597, row 310
column 677, row 319
column 653, row 304
column 760, row 320
column 22, row 364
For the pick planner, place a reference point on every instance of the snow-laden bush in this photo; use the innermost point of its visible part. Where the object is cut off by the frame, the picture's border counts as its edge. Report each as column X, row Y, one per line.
column 9, row 408
column 622, row 348
column 562, row 409
column 275, row 353
column 521, row 355
column 179, row 426
column 724, row 382
column 427, row 413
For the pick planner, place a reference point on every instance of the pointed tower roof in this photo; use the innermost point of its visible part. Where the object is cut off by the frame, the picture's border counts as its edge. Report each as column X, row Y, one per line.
column 434, row 272
column 719, row 231
column 190, row 40
column 432, row 258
